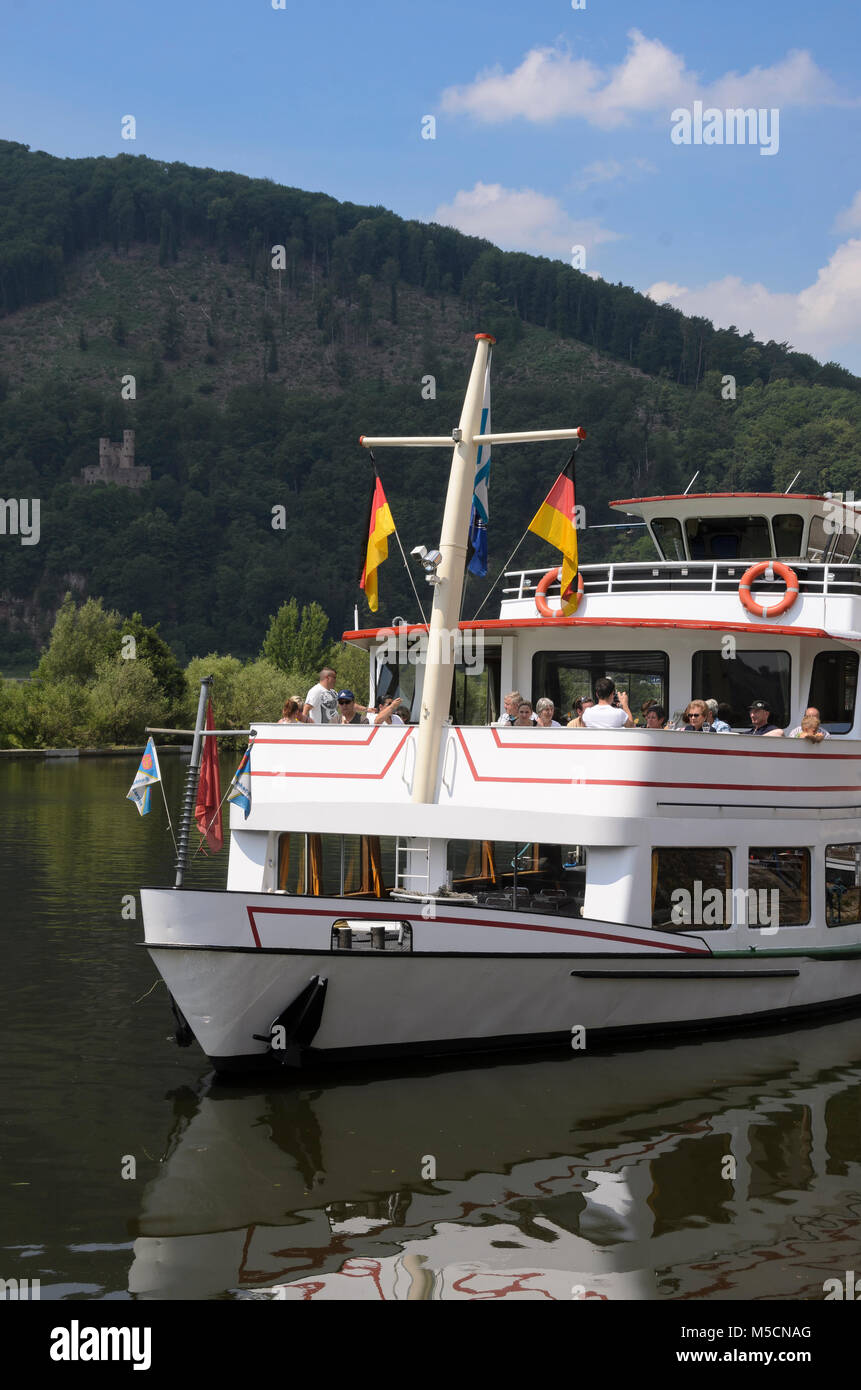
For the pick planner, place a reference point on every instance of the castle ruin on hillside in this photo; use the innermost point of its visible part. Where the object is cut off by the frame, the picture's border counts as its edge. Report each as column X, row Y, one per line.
column 117, row 464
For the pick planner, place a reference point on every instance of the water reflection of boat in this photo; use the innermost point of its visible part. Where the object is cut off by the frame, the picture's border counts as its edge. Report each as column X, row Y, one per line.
column 606, row 1175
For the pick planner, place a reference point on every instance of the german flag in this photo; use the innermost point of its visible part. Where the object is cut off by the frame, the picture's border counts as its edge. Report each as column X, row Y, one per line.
column 380, row 525
column 554, row 522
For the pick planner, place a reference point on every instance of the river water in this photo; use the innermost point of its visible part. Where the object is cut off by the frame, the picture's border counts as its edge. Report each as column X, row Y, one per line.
column 724, row 1168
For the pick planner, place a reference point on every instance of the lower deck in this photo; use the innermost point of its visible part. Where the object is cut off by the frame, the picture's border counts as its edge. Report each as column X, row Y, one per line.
column 739, row 882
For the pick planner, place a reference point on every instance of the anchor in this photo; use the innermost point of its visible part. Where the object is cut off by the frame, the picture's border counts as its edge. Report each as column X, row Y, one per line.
column 296, row 1027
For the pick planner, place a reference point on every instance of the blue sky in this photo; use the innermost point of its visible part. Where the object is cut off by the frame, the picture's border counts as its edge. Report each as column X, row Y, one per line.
column 552, row 127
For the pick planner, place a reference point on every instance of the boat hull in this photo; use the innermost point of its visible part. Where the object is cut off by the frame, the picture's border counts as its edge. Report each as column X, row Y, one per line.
column 383, row 1005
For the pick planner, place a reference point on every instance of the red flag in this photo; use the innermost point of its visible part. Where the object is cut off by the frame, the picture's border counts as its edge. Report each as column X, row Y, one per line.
column 207, row 812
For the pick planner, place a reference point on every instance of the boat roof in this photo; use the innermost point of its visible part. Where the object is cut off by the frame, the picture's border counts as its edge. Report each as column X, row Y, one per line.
column 713, row 504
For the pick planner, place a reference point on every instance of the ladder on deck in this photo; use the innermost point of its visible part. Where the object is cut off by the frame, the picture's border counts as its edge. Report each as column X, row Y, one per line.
column 412, row 867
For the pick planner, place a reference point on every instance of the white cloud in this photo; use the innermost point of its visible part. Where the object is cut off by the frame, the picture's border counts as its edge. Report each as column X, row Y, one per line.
column 823, row 319
column 849, row 220
column 550, row 83
column 519, row 219
column 609, row 170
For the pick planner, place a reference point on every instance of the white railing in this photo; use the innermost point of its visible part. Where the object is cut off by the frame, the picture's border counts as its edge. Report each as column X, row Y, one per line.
column 697, row 576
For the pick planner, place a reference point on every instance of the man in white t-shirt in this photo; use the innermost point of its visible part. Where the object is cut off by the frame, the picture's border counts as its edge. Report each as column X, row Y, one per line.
column 321, row 702
column 604, row 714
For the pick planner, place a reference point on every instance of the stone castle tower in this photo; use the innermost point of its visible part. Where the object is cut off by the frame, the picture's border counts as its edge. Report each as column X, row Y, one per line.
column 117, row 464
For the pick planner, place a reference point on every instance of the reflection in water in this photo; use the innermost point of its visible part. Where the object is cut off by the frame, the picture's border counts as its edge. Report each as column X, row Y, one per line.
column 720, row 1169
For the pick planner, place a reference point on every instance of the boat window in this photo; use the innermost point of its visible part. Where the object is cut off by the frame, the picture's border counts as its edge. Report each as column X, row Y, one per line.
column 819, row 540
column 475, row 687
column 522, row 875
column 842, row 885
column 336, row 865
column 397, row 674
column 833, row 683
column 728, row 537
column 781, row 880
column 691, row 889
column 844, row 547
column 565, row 676
column 667, row 531
column 788, row 531
column 749, row 676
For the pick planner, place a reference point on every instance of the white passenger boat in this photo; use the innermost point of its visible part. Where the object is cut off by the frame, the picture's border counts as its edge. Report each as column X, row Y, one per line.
column 450, row 885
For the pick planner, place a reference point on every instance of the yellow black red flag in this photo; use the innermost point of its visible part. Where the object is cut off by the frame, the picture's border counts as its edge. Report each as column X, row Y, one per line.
column 555, row 522
column 380, row 526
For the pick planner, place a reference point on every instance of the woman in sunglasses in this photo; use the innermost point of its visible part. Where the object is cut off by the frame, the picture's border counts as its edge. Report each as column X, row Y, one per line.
column 695, row 718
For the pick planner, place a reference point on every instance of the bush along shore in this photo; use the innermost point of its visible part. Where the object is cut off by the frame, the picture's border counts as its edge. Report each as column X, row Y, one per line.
column 103, row 679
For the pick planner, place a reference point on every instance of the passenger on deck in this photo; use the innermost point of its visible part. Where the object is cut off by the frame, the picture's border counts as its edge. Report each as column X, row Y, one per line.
column 291, row 713
column 580, row 707
column 544, row 710
column 810, row 729
column 644, row 710
column 609, row 712
column 656, row 717
column 760, row 720
column 813, row 712
column 347, row 708
column 695, row 718
column 525, row 718
column 512, row 704
column 388, row 712
column 321, row 702
column 713, row 719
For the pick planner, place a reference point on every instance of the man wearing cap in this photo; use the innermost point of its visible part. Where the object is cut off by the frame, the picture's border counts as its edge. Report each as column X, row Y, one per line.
column 347, row 709
column 759, row 721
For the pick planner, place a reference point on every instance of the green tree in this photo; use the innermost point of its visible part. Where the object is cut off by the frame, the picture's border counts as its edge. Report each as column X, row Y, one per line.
column 280, row 640
column 259, row 692
column 225, row 671
column 123, row 699
column 352, row 667
column 14, row 715
column 58, row 713
column 391, row 273
column 151, row 647
column 171, row 333
column 297, row 643
column 80, row 639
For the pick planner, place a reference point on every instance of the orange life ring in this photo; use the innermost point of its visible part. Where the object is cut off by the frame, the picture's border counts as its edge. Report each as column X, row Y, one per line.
column 541, row 589
column 750, row 576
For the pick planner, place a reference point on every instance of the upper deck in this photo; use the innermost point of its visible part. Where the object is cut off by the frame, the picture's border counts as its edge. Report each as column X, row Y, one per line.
column 697, row 593
column 668, row 629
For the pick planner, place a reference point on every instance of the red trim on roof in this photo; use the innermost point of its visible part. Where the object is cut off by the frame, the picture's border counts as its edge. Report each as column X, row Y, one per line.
column 506, row 624
column 689, row 496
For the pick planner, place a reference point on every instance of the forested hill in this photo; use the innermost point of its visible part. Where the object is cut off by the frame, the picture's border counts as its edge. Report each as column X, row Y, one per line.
column 139, row 295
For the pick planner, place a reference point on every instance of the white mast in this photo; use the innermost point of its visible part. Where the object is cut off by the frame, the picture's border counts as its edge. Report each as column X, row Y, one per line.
column 445, row 614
